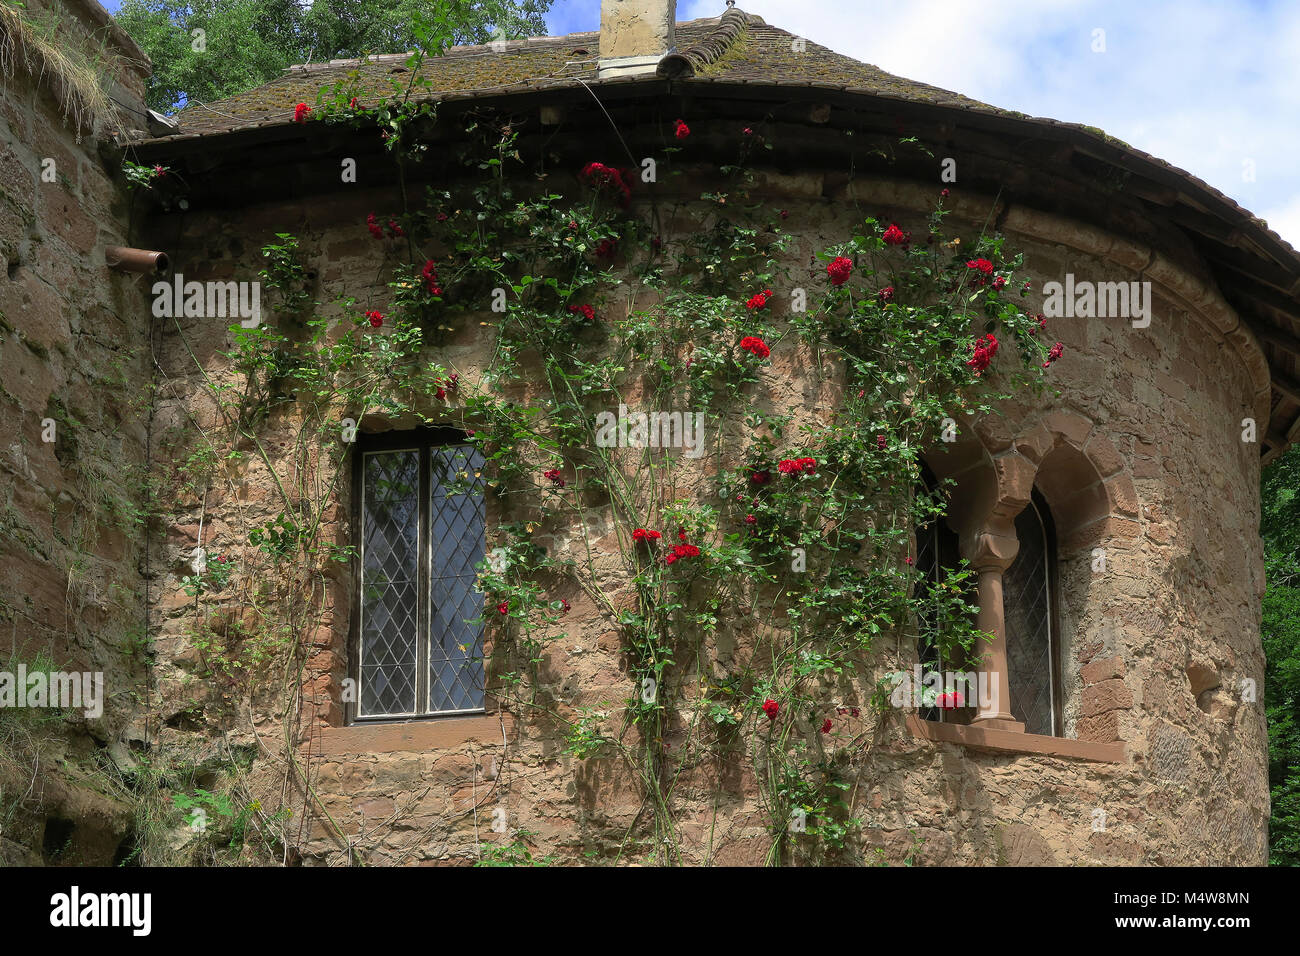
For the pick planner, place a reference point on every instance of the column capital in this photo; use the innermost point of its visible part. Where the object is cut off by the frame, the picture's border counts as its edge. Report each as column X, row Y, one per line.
column 992, row 546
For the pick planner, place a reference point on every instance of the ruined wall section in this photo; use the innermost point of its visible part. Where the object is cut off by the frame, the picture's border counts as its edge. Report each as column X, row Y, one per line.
column 74, row 393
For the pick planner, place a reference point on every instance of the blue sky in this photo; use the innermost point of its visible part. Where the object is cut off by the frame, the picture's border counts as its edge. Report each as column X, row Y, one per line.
column 1212, row 86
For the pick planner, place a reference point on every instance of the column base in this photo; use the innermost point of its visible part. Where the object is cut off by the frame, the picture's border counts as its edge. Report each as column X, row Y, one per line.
column 999, row 723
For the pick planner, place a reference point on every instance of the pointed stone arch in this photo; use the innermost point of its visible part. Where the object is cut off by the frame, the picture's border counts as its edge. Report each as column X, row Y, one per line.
column 1082, row 475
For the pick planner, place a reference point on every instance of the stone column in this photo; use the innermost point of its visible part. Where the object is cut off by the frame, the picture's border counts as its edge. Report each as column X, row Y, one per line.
column 990, row 551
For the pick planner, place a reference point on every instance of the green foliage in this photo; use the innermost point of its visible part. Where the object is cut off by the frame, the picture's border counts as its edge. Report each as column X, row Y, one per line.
column 141, row 177
column 515, row 853
column 1280, row 627
column 278, row 538
column 214, row 577
column 212, row 804
column 250, row 42
column 245, row 45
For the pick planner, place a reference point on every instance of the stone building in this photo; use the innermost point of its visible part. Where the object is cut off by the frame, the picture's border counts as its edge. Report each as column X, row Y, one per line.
column 1111, row 524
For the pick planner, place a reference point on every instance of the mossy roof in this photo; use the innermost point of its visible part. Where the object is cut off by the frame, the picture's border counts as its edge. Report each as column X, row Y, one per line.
column 736, row 48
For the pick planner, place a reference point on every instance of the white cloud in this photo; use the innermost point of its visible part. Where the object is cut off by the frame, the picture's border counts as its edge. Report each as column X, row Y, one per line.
column 1202, row 84
column 1285, row 220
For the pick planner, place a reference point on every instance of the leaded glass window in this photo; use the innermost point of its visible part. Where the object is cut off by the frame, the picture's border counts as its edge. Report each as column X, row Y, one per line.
column 1027, row 596
column 421, row 518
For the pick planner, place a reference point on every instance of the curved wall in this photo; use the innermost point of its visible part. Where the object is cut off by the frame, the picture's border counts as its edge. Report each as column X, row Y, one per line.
column 1140, row 455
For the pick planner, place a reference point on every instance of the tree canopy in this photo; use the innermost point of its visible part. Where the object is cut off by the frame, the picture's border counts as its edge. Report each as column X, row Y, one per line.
column 1280, row 528
column 245, row 43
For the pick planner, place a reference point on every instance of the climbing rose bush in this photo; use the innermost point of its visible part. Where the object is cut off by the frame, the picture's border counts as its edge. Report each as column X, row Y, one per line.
column 897, row 361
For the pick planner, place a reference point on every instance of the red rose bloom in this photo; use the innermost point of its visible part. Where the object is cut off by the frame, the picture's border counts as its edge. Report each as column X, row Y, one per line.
column 755, row 345
column 894, row 236
column 352, row 103
column 999, row 283
column 607, row 178
column 1053, row 354
column 503, row 608
column 886, row 295
column 880, row 442
column 983, row 265
column 644, row 534
column 300, row 112
column 760, row 477
column 606, row 249
column 430, row 274
column 586, row 311
column 943, row 193
column 839, row 270
column 771, row 708
column 564, row 605
column 759, row 300
column 554, row 476
column 949, row 701
column 798, row 466
column 826, row 726
column 373, row 225
column 159, row 172
column 395, row 229
column 985, row 348
column 376, row 319
column 750, row 519
column 681, row 130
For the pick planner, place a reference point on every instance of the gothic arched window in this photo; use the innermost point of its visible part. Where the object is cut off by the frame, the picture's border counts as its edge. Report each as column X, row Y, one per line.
column 1029, row 591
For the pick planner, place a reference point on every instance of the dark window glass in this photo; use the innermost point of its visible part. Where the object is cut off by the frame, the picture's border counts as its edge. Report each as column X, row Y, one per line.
column 422, row 532
column 456, row 646
column 936, row 553
column 1027, row 604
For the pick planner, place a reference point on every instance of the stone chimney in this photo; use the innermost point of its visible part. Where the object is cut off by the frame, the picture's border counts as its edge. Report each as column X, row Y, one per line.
column 635, row 35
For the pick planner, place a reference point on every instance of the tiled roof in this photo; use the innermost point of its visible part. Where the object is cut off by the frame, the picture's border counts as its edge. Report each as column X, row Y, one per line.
column 735, row 47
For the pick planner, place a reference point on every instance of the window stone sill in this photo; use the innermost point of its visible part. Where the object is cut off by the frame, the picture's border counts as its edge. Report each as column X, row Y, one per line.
column 443, row 733
column 1007, row 741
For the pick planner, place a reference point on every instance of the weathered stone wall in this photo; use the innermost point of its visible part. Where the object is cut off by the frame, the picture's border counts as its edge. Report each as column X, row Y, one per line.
column 1140, row 454
column 74, row 359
